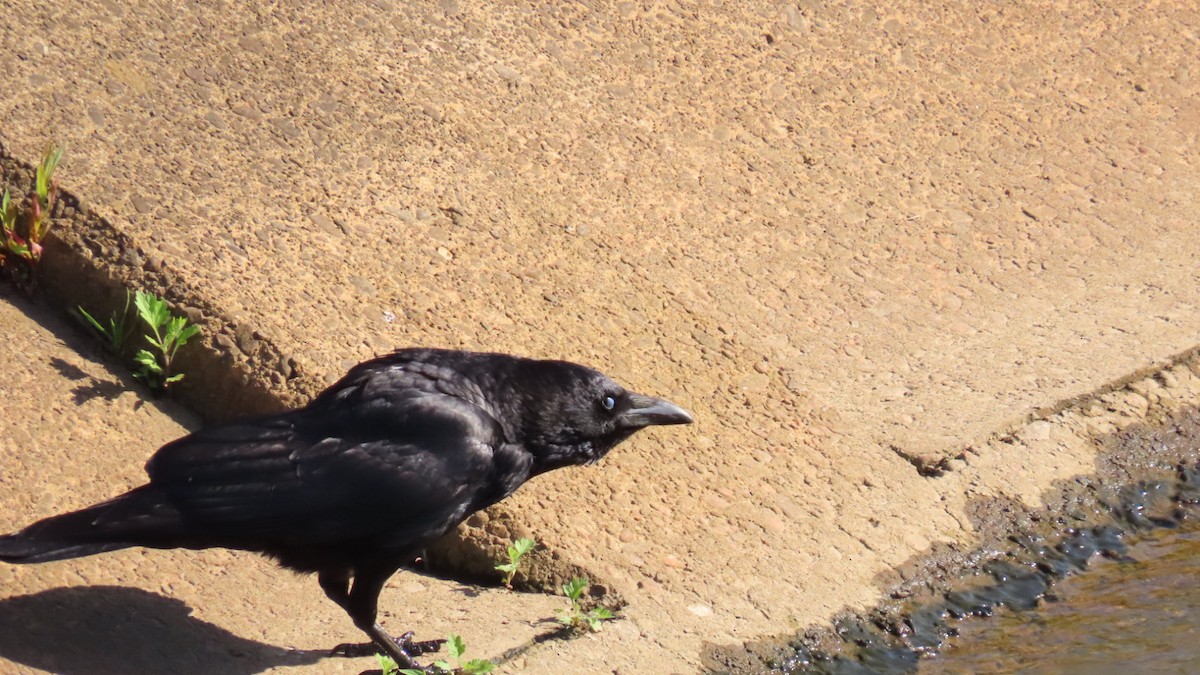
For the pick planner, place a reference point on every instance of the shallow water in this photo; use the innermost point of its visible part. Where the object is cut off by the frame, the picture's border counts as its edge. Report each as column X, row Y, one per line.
column 1118, row 617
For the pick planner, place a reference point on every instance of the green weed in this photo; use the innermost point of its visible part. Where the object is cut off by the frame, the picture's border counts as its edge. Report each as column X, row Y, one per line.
column 516, row 551
column 574, row 617
column 116, row 334
column 167, row 334
column 23, row 230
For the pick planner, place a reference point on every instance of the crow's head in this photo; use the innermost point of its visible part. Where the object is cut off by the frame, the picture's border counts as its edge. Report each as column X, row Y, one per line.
column 572, row 414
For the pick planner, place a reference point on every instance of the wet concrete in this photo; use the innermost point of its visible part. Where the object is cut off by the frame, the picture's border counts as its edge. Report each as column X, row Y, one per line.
column 1147, row 479
column 1138, row 615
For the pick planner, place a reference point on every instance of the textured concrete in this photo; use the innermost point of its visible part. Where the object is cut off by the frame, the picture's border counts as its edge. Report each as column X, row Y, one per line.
column 850, row 239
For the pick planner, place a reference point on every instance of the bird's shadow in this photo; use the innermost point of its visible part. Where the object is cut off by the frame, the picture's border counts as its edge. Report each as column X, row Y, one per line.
column 468, row 591
column 102, row 630
column 108, row 389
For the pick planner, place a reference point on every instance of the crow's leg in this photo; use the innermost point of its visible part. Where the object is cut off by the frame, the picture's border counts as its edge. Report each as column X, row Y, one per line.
column 363, row 606
column 336, row 584
column 361, row 602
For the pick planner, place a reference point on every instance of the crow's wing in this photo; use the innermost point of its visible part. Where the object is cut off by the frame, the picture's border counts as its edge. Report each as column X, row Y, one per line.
column 408, row 465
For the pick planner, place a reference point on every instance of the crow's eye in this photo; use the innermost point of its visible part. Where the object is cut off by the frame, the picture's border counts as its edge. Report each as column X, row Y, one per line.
column 608, row 403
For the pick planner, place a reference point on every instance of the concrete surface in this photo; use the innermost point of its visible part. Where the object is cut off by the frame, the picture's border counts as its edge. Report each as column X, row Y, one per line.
column 854, row 241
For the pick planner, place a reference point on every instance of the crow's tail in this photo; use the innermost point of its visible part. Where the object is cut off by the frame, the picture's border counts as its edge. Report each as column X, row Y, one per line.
column 141, row 517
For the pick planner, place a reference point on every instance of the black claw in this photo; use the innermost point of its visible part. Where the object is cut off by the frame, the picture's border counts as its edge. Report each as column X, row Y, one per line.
column 404, row 642
column 418, row 648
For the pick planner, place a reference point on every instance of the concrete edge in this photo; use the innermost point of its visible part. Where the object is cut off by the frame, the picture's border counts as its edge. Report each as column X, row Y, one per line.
column 935, row 464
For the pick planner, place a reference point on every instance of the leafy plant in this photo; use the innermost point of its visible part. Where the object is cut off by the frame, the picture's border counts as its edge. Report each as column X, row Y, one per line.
column 12, row 242
column 45, row 185
column 574, row 617
column 116, row 334
column 456, row 648
column 388, row 665
column 22, row 234
column 516, row 551
column 167, row 334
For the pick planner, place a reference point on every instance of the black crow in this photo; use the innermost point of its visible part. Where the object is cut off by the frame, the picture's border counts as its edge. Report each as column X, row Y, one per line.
column 353, row 485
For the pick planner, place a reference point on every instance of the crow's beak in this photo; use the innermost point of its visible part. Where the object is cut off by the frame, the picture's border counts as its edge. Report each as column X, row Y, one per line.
column 645, row 411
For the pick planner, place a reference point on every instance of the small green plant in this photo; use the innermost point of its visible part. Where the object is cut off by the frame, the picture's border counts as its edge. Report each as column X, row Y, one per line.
column 116, row 334
column 456, row 648
column 21, row 234
column 516, row 551
column 574, row 617
column 46, row 187
column 12, row 242
column 387, row 664
column 167, row 334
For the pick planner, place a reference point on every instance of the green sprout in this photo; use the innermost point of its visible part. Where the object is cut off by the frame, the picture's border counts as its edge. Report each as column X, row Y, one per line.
column 516, row 551
column 12, row 242
column 167, row 334
column 45, row 175
column 116, row 334
column 22, row 236
column 456, row 648
column 387, row 664
column 574, row 617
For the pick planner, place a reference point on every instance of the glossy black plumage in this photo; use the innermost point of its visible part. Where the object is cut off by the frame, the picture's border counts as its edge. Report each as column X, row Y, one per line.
column 391, row 457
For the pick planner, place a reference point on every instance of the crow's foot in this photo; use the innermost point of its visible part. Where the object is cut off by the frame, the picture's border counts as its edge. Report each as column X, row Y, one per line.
column 404, row 645
column 419, row 648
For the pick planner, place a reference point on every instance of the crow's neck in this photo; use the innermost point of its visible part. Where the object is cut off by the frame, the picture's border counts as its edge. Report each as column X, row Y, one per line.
column 548, row 456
